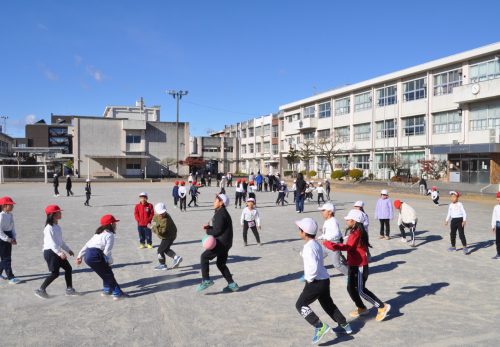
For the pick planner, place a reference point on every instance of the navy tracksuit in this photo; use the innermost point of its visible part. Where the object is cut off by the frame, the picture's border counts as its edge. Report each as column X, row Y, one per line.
column 96, row 260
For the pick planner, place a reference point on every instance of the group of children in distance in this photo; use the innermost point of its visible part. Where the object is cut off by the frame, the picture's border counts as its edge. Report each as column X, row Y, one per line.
column 180, row 193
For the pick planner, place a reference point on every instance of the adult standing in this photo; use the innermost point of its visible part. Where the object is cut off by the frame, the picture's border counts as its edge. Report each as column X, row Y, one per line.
column 300, row 185
column 69, row 185
column 56, row 185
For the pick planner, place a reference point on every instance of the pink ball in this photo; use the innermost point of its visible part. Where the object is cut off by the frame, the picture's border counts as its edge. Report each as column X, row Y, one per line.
column 208, row 242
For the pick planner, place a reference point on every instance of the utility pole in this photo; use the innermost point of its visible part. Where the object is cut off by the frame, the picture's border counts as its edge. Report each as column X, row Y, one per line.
column 177, row 95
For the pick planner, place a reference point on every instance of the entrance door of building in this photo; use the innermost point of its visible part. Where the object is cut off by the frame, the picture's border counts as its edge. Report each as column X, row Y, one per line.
column 475, row 171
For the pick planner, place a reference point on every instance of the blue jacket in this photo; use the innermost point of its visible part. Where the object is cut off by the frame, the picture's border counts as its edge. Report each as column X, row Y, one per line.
column 175, row 191
column 258, row 179
column 383, row 209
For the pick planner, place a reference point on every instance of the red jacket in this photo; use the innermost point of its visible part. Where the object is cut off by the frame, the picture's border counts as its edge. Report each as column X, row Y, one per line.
column 144, row 214
column 356, row 254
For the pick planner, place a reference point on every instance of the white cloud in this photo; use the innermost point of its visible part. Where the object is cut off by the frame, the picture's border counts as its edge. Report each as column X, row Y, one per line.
column 78, row 60
column 47, row 72
column 30, row 119
column 96, row 74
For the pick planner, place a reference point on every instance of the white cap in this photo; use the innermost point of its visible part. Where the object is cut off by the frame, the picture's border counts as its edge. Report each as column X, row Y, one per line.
column 55, row 175
column 282, row 182
column 359, row 203
column 384, row 192
column 87, row 180
column 327, row 207
column 160, row 208
column 67, row 176
column 224, row 199
column 307, row 225
column 251, row 200
column 454, row 193
column 143, row 194
column 294, row 181
column 355, row 215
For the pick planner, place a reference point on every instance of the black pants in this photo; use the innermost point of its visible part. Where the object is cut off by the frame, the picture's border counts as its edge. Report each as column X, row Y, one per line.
column 497, row 232
column 238, row 199
column 252, row 195
column 193, row 199
column 328, row 193
column 281, row 198
column 385, row 223
column 411, row 226
column 55, row 263
column 456, row 224
column 436, row 202
column 318, row 290
column 356, row 281
column 221, row 253
column 6, row 257
column 176, row 200
column 56, row 190
column 87, row 197
column 320, row 196
column 254, row 230
column 69, row 192
column 183, row 203
column 164, row 249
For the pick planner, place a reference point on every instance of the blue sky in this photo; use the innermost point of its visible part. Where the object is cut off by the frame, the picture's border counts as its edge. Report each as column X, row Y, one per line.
column 238, row 59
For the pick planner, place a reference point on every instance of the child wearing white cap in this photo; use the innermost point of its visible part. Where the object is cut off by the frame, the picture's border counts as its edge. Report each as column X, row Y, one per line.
column 143, row 213
column 282, row 191
column 357, row 259
column 317, row 286
column 88, row 192
column 250, row 219
column 321, row 193
column 164, row 227
column 384, row 213
column 331, row 232
column 457, row 218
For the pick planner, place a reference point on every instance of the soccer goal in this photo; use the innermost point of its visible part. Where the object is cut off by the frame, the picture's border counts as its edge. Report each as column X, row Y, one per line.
column 18, row 173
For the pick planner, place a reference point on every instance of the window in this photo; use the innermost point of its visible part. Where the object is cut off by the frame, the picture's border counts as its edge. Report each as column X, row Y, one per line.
column 267, row 147
column 282, row 123
column 362, row 161
column 342, row 162
column 297, row 141
column 386, row 129
column 324, row 134
column 414, row 126
column 211, row 149
column 250, row 132
column 309, row 136
column 485, row 117
column 446, row 122
column 342, row 106
column 309, row 112
column 267, row 129
column 362, row 101
column 258, row 131
column 133, row 166
column 387, row 96
column 384, row 160
column 362, row 132
column 250, row 148
column 243, row 149
column 324, row 110
column 229, row 149
column 258, row 147
column 133, row 139
column 275, row 129
column 414, row 90
column 243, row 133
column 275, row 148
column 446, row 81
column 486, row 70
column 323, row 165
column 343, row 134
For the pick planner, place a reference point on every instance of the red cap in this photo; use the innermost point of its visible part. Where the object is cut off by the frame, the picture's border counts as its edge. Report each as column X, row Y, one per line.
column 194, row 182
column 434, row 188
column 52, row 209
column 108, row 219
column 397, row 204
column 238, row 180
column 243, row 180
column 498, row 195
column 183, row 183
column 6, row 200
column 176, row 183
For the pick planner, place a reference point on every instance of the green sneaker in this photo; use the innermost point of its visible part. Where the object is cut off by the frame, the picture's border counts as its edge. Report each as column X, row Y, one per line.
column 320, row 332
column 204, row 285
column 231, row 287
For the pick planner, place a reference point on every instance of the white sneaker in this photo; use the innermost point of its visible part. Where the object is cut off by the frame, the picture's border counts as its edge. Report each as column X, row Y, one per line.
column 403, row 239
column 177, row 261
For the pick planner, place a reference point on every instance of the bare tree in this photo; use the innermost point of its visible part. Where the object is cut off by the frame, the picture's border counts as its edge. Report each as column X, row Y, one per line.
column 434, row 168
column 328, row 148
column 306, row 152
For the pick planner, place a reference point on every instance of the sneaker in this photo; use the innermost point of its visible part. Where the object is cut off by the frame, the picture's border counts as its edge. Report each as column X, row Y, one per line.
column 496, row 256
column 105, row 294
column 42, row 294
column 149, row 246
column 413, row 243
column 177, row 261
column 161, row 267
column 302, row 279
column 14, row 281
column 246, row 244
column 382, row 312
column 381, row 237
column 387, row 238
column 204, row 285
column 403, row 239
column 452, row 249
column 466, row 251
column 347, row 328
column 320, row 332
column 120, row 296
column 359, row 312
column 71, row 292
column 141, row 246
column 231, row 287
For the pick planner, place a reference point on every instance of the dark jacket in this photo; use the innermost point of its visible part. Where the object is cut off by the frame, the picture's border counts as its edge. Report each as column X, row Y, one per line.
column 300, row 185
column 222, row 227
column 56, row 181
column 165, row 228
column 68, row 183
column 88, row 189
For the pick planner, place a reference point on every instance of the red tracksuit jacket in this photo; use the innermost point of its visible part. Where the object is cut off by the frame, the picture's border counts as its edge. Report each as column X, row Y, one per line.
column 356, row 254
column 144, row 214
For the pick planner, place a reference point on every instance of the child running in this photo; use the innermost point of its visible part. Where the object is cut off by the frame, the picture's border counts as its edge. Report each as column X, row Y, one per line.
column 182, row 196
column 222, row 230
column 7, row 238
column 357, row 259
column 321, row 193
column 143, row 214
column 54, row 252
column 384, row 213
column 495, row 225
column 97, row 254
column 164, row 227
column 407, row 219
column 435, row 195
column 250, row 219
column 457, row 218
column 317, row 286
column 175, row 193
column 331, row 232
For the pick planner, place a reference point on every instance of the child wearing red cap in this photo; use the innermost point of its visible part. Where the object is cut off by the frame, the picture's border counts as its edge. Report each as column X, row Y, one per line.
column 193, row 191
column 457, row 218
column 175, row 193
column 54, row 252
column 495, row 225
column 143, row 214
column 97, row 254
column 182, row 196
column 407, row 219
column 434, row 193
column 7, row 238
